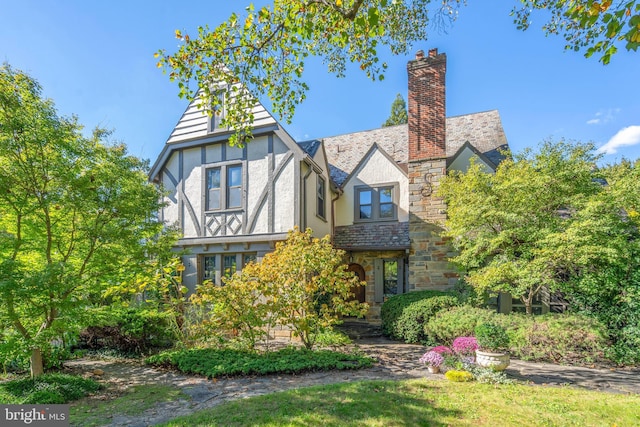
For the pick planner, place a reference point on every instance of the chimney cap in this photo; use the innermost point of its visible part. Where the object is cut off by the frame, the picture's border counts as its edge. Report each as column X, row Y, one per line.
column 433, row 52
column 420, row 54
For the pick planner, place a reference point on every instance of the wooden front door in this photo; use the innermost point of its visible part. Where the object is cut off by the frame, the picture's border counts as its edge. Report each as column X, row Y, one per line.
column 358, row 291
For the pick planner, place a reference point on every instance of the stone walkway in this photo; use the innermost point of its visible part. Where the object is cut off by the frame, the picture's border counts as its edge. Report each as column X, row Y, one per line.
column 395, row 361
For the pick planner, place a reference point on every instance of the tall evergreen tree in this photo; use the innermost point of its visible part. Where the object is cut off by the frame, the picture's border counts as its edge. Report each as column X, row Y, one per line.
column 398, row 114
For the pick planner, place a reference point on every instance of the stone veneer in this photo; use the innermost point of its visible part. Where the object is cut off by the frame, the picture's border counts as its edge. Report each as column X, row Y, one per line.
column 428, row 265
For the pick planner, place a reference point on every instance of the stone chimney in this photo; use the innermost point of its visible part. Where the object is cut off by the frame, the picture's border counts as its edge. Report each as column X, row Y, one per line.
column 428, row 257
column 427, row 113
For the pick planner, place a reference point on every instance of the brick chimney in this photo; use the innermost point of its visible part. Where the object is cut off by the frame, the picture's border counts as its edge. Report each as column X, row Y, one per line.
column 427, row 113
column 428, row 257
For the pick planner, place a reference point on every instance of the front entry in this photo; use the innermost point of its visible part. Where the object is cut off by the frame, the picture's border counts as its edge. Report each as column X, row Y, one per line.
column 358, row 291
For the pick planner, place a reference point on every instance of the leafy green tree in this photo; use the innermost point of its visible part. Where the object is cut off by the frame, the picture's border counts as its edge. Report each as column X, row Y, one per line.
column 522, row 228
column 262, row 53
column 608, row 286
column 75, row 214
column 398, row 112
column 595, row 26
column 312, row 284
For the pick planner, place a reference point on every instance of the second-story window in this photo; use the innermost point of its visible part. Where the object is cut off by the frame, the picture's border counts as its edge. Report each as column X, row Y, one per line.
column 321, row 205
column 375, row 203
column 224, row 187
column 234, row 186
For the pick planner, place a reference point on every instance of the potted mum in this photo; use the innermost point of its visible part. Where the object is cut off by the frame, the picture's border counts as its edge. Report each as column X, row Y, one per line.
column 493, row 343
column 465, row 348
column 433, row 360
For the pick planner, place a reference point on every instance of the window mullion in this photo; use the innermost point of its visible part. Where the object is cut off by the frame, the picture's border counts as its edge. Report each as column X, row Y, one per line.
column 375, row 203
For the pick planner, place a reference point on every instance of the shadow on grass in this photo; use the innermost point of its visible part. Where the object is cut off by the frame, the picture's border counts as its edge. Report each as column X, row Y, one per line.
column 354, row 404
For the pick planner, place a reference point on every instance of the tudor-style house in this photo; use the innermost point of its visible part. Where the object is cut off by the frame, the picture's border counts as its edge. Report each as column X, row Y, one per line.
column 373, row 191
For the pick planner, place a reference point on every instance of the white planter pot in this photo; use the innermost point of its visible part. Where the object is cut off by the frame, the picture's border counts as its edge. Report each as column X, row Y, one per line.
column 495, row 361
column 433, row 369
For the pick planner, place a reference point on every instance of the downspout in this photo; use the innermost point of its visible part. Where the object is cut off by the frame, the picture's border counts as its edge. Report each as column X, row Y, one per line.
column 333, row 213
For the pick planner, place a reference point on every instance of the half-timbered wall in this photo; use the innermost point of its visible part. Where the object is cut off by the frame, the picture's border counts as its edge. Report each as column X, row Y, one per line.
column 268, row 189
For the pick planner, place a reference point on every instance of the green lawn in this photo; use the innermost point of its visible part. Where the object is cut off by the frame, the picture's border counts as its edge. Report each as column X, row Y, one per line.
column 424, row 403
column 137, row 399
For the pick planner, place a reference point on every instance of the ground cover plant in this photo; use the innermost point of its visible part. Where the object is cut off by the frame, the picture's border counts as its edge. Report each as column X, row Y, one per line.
column 46, row 389
column 228, row 362
column 423, row 402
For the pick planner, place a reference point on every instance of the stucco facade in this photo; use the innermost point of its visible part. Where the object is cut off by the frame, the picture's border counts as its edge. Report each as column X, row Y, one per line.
column 374, row 191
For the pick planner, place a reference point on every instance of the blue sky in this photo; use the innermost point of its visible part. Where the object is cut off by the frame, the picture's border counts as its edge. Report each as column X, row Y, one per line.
column 95, row 60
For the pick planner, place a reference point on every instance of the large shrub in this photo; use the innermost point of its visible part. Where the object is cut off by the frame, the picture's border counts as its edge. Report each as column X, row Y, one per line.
column 403, row 316
column 303, row 284
column 561, row 338
column 558, row 338
column 410, row 324
column 461, row 321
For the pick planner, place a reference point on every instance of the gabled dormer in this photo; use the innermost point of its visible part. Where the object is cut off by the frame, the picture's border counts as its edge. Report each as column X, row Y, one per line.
column 232, row 204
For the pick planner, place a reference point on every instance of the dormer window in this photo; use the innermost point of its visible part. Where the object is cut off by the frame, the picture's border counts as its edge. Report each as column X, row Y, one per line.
column 376, row 203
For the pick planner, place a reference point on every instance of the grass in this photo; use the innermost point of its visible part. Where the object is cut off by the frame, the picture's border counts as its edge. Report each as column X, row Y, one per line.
column 225, row 362
column 423, row 403
column 46, row 389
column 92, row 412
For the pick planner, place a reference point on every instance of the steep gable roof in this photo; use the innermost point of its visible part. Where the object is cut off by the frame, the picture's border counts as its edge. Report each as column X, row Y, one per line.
column 374, row 148
column 481, row 130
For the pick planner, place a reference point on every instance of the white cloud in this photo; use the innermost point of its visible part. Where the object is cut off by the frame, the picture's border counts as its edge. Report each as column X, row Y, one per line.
column 604, row 116
column 624, row 138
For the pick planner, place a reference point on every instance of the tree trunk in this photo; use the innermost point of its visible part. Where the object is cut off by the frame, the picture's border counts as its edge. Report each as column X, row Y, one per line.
column 37, row 367
column 528, row 303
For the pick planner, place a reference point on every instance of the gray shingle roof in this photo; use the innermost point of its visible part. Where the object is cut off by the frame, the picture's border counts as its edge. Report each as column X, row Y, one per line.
column 310, row 147
column 482, row 130
column 372, row 236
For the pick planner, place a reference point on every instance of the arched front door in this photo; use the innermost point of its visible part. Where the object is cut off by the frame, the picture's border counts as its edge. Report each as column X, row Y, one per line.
column 358, row 290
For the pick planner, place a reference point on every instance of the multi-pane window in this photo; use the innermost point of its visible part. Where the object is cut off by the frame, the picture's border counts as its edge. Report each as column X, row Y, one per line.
column 321, row 205
column 365, row 201
column 215, row 267
column 213, row 189
column 234, row 186
column 229, row 265
column 224, row 187
column 390, row 277
column 247, row 258
column 375, row 203
column 209, row 268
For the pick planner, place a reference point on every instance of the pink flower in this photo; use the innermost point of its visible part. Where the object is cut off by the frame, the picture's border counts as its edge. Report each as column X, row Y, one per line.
column 441, row 349
column 432, row 358
column 465, row 345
